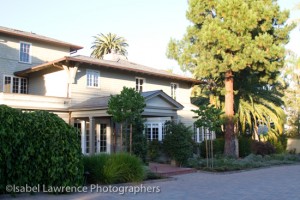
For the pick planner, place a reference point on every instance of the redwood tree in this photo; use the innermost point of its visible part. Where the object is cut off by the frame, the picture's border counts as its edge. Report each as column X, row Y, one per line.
column 228, row 37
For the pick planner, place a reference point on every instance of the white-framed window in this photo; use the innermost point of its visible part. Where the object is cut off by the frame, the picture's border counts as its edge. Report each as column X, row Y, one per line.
column 24, row 55
column 139, row 84
column 174, row 87
column 200, row 134
column 13, row 84
column 155, row 131
column 92, row 78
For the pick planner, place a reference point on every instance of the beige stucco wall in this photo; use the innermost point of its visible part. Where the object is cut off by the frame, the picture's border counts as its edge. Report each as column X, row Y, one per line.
column 112, row 82
column 49, row 82
column 40, row 53
column 293, row 144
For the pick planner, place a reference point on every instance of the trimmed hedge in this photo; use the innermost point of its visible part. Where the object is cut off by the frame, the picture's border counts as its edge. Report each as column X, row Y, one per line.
column 178, row 143
column 38, row 148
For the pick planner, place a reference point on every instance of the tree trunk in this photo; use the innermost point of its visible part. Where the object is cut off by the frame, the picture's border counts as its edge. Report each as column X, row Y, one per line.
column 121, row 145
column 130, row 138
column 230, row 137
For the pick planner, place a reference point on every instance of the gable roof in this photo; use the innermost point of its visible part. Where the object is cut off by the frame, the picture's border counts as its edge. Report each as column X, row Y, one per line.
column 152, row 94
column 36, row 37
column 102, row 102
column 122, row 65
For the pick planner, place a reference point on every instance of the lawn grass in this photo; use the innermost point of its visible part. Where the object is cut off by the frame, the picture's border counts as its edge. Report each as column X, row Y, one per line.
column 223, row 164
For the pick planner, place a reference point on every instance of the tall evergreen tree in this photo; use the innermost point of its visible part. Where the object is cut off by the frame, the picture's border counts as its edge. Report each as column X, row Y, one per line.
column 229, row 37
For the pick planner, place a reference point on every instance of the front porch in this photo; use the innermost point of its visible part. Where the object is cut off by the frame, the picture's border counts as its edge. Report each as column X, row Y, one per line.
column 99, row 134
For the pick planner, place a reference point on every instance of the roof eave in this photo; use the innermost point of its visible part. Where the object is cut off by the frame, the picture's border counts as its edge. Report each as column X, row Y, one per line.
column 191, row 80
column 71, row 46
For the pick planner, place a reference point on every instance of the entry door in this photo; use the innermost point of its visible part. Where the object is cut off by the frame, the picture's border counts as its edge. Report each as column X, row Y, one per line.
column 101, row 138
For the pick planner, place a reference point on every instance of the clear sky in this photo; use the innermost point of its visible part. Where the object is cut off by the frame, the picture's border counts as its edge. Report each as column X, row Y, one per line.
column 146, row 24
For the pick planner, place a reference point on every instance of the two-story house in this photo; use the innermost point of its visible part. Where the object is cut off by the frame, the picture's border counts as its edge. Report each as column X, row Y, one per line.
column 39, row 73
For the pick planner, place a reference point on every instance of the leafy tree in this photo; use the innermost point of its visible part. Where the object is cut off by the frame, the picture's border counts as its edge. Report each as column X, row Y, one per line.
column 105, row 44
column 126, row 107
column 209, row 117
column 291, row 75
column 229, row 37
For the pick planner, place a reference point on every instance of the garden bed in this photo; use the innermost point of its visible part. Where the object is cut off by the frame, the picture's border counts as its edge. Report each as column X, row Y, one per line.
column 223, row 164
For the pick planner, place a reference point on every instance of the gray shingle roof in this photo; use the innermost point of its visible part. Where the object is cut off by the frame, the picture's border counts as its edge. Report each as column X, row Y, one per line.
column 122, row 65
column 34, row 36
column 131, row 66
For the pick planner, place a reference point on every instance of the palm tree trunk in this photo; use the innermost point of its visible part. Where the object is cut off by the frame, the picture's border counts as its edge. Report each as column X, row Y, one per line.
column 230, row 137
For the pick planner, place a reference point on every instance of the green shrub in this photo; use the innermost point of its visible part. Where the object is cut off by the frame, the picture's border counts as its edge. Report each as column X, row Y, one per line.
column 262, row 148
column 154, row 150
column 178, row 142
column 122, row 167
column 218, row 147
column 38, row 148
column 94, row 165
column 280, row 143
column 114, row 168
column 244, row 146
column 139, row 140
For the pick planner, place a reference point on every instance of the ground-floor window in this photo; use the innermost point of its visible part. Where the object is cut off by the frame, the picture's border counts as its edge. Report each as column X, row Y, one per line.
column 200, row 134
column 103, row 138
column 100, row 138
column 155, row 131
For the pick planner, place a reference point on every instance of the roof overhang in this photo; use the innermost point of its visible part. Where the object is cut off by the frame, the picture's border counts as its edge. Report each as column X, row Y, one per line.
column 35, row 37
column 112, row 65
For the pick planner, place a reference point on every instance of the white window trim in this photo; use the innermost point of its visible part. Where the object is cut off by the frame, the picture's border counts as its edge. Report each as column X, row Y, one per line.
column 175, row 90
column 144, row 83
column 30, row 46
column 200, row 136
column 160, row 129
column 92, row 72
column 19, row 86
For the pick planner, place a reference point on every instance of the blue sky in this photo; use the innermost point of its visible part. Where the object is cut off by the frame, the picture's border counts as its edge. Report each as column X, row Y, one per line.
column 146, row 24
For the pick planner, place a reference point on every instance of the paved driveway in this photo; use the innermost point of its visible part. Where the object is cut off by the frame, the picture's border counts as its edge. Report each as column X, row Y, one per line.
column 270, row 184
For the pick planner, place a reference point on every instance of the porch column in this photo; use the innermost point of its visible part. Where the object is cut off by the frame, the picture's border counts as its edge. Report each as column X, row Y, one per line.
column 92, row 135
column 160, row 132
column 83, row 137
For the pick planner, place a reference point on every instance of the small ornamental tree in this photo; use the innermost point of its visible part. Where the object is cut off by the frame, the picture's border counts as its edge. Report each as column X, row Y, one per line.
column 209, row 117
column 126, row 107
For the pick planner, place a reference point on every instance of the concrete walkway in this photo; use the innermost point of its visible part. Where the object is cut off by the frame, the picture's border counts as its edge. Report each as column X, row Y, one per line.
column 275, row 183
column 169, row 170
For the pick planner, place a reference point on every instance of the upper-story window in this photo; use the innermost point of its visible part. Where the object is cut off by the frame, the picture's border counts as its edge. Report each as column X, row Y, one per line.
column 139, row 84
column 25, row 52
column 13, row 84
column 174, row 87
column 92, row 78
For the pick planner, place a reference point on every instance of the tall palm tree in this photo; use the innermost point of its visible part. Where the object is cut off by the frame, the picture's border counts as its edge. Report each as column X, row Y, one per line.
column 105, row 44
